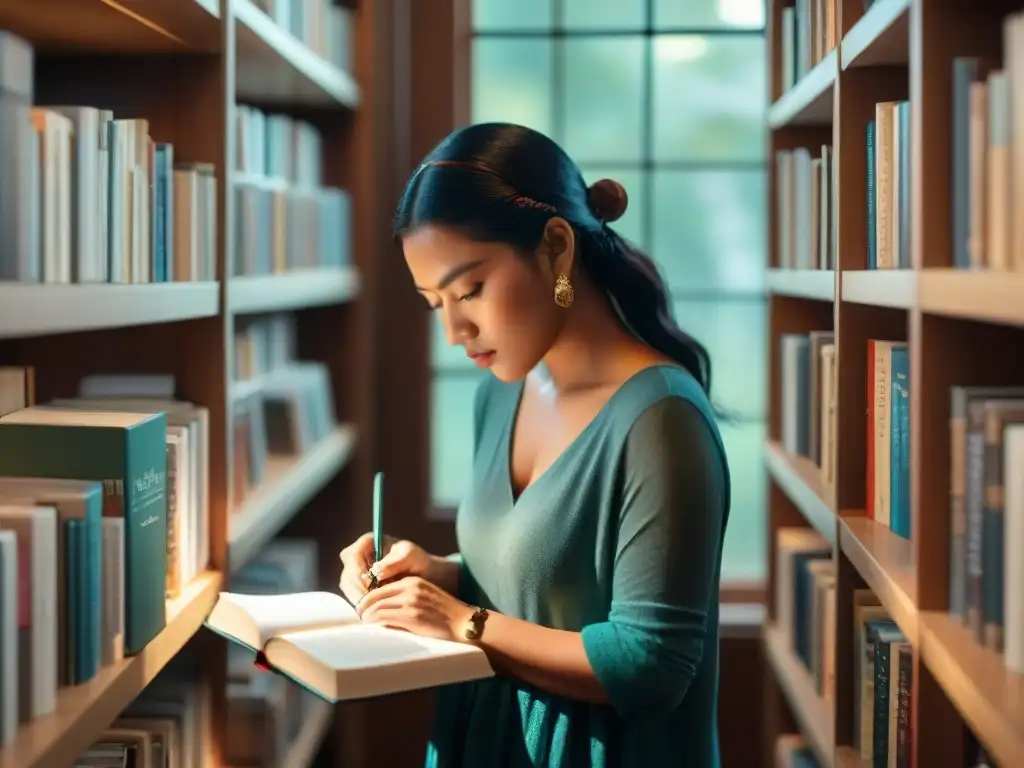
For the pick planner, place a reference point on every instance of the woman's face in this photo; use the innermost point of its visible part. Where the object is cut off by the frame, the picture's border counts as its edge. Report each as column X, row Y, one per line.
column 492, row 302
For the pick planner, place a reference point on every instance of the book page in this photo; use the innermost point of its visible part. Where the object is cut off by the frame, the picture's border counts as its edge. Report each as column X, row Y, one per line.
column 367, row 645
column 360, row 660
column 277, row 614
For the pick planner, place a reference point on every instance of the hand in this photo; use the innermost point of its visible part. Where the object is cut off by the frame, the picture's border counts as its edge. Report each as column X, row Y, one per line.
column 416, row 605
column 401, row 558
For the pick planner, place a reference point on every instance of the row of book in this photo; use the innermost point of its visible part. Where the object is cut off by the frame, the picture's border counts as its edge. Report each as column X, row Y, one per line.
column 808, row 418
column 103, row 517
column 87, row 196
column 286, row 218
column 806, row 202
column 987, row 164
column 283, row 408
column 322, row 25
column 807, row 399
column 165, row 727
column 887, row 153
column 807, row 36
column 266, row 711
column 986, row 580
column 883, row 658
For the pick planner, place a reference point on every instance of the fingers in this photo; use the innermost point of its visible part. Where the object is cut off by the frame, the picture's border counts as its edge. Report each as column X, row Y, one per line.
column 359, row 554
column 352, row 585
column 396, row 561
column 404, row 588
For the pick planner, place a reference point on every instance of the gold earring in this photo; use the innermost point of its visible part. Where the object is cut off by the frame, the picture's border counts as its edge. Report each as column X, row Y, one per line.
column 564, row 294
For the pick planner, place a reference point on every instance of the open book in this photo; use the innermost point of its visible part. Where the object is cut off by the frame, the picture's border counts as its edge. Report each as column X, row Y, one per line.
column 318, row 640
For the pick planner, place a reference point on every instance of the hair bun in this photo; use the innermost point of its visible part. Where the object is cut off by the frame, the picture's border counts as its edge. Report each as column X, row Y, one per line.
column 607, row 200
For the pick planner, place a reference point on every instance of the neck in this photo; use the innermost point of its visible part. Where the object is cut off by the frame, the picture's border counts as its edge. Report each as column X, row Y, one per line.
column 590, row 346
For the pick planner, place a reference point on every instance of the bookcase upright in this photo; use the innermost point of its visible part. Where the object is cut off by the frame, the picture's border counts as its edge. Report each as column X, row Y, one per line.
column 896, row 200
column 190, row 68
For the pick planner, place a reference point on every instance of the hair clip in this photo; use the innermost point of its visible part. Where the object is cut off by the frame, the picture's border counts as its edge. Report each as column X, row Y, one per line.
column 528, row 202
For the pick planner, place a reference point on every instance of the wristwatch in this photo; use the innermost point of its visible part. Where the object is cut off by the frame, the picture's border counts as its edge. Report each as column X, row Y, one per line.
column 475, row 626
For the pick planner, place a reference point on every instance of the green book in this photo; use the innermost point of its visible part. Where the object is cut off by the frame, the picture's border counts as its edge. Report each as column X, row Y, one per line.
column 128, row 453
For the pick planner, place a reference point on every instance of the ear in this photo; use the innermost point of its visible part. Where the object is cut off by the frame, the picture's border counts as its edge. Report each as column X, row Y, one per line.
column 558, row 246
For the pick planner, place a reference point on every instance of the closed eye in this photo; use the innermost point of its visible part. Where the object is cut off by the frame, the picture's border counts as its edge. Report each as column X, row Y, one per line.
column 473, row 293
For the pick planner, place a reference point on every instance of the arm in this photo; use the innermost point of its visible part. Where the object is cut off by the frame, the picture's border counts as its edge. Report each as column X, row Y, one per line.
column 646, row 654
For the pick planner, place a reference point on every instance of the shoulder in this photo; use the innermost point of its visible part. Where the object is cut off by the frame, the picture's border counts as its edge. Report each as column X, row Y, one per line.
column 666, row 423
column 663, row 392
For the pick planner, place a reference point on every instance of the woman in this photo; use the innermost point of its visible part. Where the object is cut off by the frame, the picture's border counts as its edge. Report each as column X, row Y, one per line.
column 591, row 534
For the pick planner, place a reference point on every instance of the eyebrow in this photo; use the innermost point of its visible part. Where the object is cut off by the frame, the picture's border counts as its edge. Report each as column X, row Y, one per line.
column 453, row 274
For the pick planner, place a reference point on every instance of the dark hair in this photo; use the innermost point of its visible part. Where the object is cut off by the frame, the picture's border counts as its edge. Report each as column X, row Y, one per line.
column 497, row 182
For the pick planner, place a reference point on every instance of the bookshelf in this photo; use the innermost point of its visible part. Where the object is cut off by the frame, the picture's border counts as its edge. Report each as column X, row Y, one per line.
column 910, row 290
column 197, row 71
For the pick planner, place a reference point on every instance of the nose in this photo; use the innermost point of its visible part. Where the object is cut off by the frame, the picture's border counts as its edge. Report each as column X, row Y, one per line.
column 458, row 329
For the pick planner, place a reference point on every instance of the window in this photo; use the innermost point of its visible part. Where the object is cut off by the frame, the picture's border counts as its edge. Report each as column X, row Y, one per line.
column 669, row 98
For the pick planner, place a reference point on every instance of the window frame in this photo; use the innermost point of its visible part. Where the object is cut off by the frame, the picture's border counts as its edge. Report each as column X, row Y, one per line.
column 733, row 590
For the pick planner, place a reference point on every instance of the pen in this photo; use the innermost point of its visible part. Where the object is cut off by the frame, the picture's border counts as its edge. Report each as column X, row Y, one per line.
column 378, row 517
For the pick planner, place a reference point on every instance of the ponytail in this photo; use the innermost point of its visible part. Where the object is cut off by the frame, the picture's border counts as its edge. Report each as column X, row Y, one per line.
column 639, row 296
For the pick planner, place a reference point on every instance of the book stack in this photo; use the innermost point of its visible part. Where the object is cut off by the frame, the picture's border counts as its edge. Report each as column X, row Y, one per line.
column 883, row 684
column 807, row 394
column 322, row 25
column 283, row 407
column 286, row 218
column 167, row 725
column 91, row 196
column 888, row 436
column 805, row 603
column 806, row 197
column 807, row 35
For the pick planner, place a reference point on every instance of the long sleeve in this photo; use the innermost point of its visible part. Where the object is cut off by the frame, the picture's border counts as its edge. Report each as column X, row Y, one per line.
column 667, row 560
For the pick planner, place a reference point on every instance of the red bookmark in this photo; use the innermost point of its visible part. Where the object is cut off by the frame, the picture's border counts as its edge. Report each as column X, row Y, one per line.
column 261, row 662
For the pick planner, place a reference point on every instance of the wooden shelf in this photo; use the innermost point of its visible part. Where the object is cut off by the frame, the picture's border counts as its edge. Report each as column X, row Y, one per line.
column 813, row 714
column 810, row 101
column 819, row 284
column 880, row 287
column 996, row 297
column 275, row 66
column 125, row 26
column 317, row 723
column 886, row 563
column 800, row 478
column 847, row 757
column 880, row 36
column 37, row 309
column 292, row 290
column 85, row 710
column 988, row 695
column 288, row 487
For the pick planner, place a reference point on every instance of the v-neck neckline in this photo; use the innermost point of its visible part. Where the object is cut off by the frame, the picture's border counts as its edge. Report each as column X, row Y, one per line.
column 509, row 442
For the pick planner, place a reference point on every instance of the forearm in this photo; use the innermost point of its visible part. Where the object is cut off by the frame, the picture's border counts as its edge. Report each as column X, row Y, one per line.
column 552, row 660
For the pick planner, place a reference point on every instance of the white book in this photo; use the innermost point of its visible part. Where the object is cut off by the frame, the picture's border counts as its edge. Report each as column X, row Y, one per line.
column 36, row 529
column 318, row 640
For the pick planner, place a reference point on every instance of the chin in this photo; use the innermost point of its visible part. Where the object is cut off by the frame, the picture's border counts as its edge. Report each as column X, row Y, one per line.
column 508, row 374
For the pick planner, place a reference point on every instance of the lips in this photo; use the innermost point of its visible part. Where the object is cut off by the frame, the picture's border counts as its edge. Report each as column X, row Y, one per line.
column 482, row 359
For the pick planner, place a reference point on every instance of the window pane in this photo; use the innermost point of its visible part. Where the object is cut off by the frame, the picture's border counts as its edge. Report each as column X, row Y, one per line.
column 604, row 14
column 512, row 81
column 734, row 333
column 489, row 15
column 631, row 225
column 745, row 556
column 709, row 13
column 451, row 439
column 603, row 100
column 443, row 356
column 709, row 229
column 710, row 98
